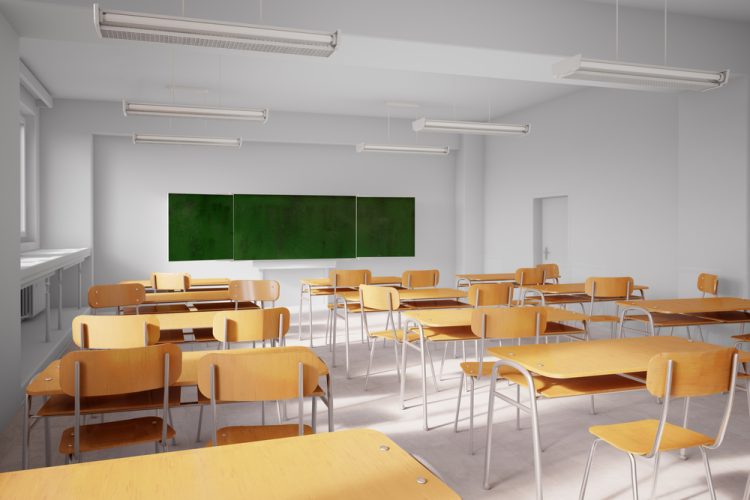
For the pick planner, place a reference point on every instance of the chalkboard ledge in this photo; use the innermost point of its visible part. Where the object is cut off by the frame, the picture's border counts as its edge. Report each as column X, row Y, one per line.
column 294, row 264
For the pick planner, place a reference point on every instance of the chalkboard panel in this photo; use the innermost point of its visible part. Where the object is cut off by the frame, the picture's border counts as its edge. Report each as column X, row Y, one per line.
column 385, row 227
column 294, row 227
column 200, row 227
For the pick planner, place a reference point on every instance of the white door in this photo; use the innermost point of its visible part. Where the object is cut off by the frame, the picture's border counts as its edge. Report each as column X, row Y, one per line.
column 552, row 231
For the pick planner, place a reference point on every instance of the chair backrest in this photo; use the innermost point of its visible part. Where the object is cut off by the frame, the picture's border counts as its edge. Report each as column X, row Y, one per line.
column 170, row 281
column 426, row 278
column 490, row 294
column 509, row 322
column 551, row 271
column 254, row 290
column 117, row 295
column 708, row 283
column 694, row 373
column 349, row 278
column 529, row 276
column 120, row 371
column 251, row 325
column 609, row 287
column 379, row 298
column 115, row 332
column 260, row 374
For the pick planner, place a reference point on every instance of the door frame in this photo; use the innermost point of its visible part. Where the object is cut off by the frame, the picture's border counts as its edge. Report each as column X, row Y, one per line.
column 536, row 219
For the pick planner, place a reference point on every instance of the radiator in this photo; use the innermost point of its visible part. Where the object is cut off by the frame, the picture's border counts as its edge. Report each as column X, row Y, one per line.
column 32, row 300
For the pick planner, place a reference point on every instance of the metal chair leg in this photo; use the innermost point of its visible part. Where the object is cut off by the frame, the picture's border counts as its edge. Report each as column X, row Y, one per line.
column 395, row 352
column 709, row 481
column 369, row 363
column 442, row 361
column 746, row 496
column 488, row 444
column 471, row 416
column 633, row 476
column 518, row 410
column 588, row 469
column 656, row 475
column 200, row 421
column 458, row 401
column 432, row 367
column 593, row 406
column 314, row 415
column 171, row 422
column 683, row 451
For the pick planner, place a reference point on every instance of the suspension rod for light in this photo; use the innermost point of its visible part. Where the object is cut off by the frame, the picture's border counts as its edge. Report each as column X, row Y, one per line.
column 180, row 111
column 458, row 127
column 232, row 142
column 203, row 33
column 399, row 148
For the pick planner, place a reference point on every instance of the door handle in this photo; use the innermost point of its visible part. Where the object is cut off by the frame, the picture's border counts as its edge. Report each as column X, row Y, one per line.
column 546, row 253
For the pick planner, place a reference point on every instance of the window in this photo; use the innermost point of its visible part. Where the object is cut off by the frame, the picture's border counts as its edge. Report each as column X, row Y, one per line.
column 23, row 177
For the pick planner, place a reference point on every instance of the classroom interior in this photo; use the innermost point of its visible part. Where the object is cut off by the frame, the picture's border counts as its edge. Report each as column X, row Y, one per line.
column 352, row 249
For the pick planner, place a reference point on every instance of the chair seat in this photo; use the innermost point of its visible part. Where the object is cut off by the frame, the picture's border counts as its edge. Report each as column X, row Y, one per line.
column 638, row 437
column 250, row 433
column 603, row 318
column 113, row 434
column 388, row 334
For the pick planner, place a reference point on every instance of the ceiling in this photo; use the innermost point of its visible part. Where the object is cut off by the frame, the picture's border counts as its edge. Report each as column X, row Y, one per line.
column 720, row 9
column 469, row 81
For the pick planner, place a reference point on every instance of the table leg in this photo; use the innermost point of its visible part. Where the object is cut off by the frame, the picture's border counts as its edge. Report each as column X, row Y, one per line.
column 424, row 381
column 299, row 318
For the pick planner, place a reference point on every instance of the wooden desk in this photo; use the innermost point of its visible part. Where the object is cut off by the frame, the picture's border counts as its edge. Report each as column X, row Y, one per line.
column 456, row 325
column 569, row 293
column 184, row 297
column 574, row 360
column 194, row 282
column 466, row 280
column 323, row 287
column 357, row 463
column 416, row 298
column 687, row 312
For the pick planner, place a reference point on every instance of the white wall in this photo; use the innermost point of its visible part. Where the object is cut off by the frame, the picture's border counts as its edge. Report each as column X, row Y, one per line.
column 10, row 345
column 469, row 193
column 131, row 183
column 614, row 154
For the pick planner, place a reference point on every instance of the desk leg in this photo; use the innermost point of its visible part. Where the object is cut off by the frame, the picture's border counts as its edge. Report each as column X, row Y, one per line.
column 424, row 381
column 25, row 437
column 404, row 350
column 310, row 318
column 333, row 338
column 59, row 298
column 683, row 451
column 47, row 455
column 47, row 305
column 299, row 318
column 346, row 328
column 80, row 279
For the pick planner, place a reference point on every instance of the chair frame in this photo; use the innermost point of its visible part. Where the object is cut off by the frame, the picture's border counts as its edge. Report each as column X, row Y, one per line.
column 388, row 320
column 333, row 315
column 655, row 453
column 76, row 455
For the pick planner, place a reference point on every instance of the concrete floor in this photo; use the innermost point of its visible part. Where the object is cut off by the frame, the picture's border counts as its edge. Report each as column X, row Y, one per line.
column 564, row 425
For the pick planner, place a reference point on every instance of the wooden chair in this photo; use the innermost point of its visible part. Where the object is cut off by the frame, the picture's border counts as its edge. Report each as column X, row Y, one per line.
column 256, row 376
column 344, row 280
column 607, row 288
column 427, row 278
column 117, row 296
column 251, row 325
column 551, row 272
column 708, row 284
column 526, row 276
column 97, row 374
column 176, row 282
column 383, row 299
column 115, row 332
column 499, row 323
column 672, row 375
column 258, row 291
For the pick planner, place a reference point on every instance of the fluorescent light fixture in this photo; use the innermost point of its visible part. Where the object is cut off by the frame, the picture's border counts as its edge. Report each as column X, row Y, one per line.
column 179, row 111
column 202, row 33
column 395, row 148
column 232, row 142
column 642, row 76
column 455, row 127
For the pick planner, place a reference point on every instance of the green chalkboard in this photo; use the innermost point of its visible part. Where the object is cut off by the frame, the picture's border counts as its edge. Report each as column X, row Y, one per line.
column 385, row 227
column 200, row 227
column 294, row 227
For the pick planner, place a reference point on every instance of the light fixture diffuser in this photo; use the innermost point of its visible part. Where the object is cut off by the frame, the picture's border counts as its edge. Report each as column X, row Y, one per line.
column 202, row 33
column 232, row 142
column 638, row 76
column 457, row 127
column 398, row 148
column 180, row 111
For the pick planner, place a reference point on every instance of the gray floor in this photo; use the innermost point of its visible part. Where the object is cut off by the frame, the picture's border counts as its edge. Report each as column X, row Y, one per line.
column 564, row 425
